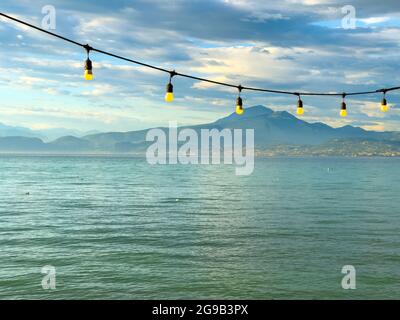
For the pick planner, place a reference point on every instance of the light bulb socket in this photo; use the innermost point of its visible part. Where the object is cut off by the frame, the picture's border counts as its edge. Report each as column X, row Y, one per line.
column 384, row 102
column 344, row 106
column 239, row 102
column 299, row 104
column 88, row 65
column 88, row 49
column 170, row 88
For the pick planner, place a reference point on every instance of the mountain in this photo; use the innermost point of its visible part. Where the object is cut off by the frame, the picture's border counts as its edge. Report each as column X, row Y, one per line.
column 70, row 144
column 55, row 133
column 22, row 144
column 280, row 127
column 46, row 135
column 276, row 132
column 10, row 131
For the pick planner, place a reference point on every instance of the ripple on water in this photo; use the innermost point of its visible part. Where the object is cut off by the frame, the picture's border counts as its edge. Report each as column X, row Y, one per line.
column 118, row 228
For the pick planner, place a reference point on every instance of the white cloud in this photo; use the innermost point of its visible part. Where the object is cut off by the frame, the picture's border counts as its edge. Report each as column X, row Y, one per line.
column 100, row 90
column 353, row 59
column 374, row 20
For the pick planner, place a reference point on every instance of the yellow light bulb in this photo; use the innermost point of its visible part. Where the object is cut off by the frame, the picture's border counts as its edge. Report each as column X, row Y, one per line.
column 343, row 111
column 88, row 75
column 169, row 97
column 239, row 105
column 239, row 110
column 384, row 106
column 88, row 70
column 300, row 111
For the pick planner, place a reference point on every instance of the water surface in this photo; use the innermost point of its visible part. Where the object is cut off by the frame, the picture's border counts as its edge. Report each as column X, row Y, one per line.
column 118, row 228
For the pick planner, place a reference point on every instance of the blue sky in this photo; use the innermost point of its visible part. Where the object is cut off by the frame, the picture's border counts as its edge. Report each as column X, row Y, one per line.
column 297, row 45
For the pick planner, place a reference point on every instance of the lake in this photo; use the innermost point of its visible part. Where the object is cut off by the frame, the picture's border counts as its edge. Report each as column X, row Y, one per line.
column 118, row 228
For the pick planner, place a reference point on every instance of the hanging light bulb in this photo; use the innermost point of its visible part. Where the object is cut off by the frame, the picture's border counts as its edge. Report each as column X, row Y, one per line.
column 88, row 70
column 239, row 106
column 300, row 109
column 384, row 104
column 239, row 103
column 88, row 75
column 169, row 95
column 343, row 111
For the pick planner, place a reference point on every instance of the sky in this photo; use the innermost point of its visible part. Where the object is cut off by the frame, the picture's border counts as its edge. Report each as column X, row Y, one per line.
column 295, row 45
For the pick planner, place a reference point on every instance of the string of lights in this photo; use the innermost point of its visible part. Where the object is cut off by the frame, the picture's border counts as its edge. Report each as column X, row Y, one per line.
column 169, row 96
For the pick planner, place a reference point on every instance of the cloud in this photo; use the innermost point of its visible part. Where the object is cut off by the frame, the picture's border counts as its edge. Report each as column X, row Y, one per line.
column 274, row 44
column 374, row 20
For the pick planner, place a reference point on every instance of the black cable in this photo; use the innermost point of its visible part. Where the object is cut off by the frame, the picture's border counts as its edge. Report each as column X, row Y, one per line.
column 173, row 73
column 40, row 29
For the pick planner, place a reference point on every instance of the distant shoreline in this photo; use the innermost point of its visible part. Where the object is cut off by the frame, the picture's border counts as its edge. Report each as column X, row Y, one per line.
column 142, row 155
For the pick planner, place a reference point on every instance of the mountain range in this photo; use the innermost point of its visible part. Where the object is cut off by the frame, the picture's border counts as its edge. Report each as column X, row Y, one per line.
column 45, row 135
column 276, row 133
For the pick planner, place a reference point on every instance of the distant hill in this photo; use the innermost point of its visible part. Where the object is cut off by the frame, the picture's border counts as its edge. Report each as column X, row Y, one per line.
column 22, row 144
column 70, row 144
column 276, row 133
column 55, row 133
column 44, row 134
column 10, row 131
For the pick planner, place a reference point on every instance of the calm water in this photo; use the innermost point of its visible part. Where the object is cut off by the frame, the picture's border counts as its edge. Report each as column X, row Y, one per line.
column 118, row 228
